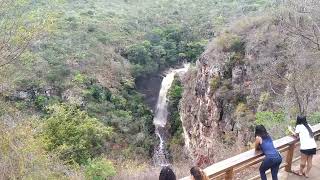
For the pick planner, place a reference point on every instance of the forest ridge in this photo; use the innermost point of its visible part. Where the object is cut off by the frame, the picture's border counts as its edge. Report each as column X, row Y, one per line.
column 69, row 106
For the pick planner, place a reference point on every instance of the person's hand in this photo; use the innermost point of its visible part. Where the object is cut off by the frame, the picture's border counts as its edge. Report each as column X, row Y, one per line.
column 290, row 129
column 257, row 151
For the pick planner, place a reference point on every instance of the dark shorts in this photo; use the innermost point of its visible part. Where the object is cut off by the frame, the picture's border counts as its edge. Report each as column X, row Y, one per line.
column 309, row 152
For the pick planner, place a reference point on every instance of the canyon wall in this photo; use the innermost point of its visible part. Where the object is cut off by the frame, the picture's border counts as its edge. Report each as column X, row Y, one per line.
column 259, row 64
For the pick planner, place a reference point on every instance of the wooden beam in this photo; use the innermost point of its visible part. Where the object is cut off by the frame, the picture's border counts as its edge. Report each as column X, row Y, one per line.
column 229, row 174
column 289, row 157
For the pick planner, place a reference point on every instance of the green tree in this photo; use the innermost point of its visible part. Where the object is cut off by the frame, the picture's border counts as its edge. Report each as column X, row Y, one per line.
column 139, row 54
column 74, row 135
column 99, row 169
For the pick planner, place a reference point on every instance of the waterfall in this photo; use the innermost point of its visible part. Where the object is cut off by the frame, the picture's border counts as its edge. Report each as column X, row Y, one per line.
column 161, row 114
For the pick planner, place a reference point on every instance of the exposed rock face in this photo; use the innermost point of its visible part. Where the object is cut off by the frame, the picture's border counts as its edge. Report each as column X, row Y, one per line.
column 253, row 66
column 222, row 92
column 32, row 93
column 208, row 110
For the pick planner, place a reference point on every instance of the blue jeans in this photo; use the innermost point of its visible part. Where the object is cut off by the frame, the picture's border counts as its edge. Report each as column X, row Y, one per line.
column 272, row 163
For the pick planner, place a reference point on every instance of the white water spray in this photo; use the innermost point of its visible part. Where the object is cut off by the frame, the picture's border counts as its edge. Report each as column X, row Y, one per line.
column 161, row 114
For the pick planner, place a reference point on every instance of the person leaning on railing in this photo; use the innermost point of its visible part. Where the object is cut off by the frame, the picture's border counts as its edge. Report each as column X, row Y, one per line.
column 272, row 158
column 308, row 145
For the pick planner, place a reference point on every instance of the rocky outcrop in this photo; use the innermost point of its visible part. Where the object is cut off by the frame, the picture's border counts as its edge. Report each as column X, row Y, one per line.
column 208, row 108
column 253, row 66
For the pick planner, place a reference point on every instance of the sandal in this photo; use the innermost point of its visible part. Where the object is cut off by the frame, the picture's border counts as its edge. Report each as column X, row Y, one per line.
column 305, row 175
column 297, row 173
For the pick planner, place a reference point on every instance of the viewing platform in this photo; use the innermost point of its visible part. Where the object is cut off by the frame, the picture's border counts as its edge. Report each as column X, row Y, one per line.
column 314, row 173
column 230, row 168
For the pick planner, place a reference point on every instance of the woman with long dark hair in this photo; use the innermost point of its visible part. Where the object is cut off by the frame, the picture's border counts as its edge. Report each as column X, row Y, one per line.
column 198, row 174
column 307, row 145
column 166, row 173
column 272, row 158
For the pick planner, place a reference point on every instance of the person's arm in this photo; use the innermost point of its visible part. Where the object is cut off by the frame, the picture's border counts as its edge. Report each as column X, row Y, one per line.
column 293, row 133
column 257, row 143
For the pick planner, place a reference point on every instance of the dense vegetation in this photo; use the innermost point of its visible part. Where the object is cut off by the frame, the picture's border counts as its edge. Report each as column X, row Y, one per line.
column 175, row 146
column 164, row 48
column 67, row 78
column 73, row 134
column 175, row 94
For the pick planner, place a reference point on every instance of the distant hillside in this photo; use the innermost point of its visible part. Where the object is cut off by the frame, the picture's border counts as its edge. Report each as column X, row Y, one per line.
column 68, row 97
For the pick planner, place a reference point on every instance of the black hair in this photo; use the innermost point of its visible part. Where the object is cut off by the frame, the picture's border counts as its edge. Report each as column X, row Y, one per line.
column 261, row 131
column 166, row 173
column 197, row 173
column 303, row 120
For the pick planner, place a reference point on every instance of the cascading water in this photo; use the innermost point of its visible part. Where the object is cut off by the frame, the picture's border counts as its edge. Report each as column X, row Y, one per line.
column 161, row 114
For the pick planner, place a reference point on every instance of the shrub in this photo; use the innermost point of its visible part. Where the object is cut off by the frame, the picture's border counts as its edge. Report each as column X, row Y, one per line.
column 264, row 97
column 21, row 105
column 74, row 135
column 23, row 157
column 267, row 116
column 237, row 46
column 175, row 92
column 80, row 78
column 314, row 118
column 241, row 108
column 57, row 74
column 194, row 49
column 174, row 95
column 236, row 59
column 99, row 169
column 97, row 93
column 40, row 102
column 215, row 83
column 229, row 42
column 275, row 122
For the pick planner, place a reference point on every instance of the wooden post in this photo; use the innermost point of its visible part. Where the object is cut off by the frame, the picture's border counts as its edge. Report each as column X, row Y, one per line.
column 229, row 174
column 289, row 157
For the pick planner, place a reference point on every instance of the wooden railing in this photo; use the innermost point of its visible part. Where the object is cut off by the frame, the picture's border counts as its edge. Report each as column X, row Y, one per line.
column 227, row 168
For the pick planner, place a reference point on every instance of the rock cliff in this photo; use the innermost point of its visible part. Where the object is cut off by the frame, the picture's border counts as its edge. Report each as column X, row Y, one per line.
column 256, row 65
